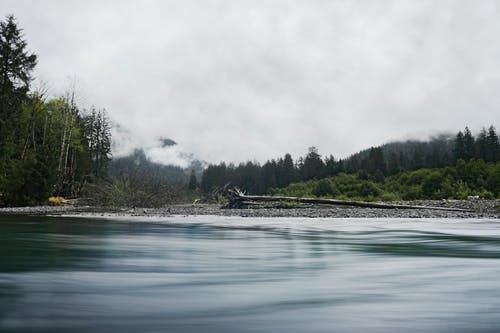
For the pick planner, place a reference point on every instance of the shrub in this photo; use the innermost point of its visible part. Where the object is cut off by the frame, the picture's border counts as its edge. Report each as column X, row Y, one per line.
column 324, row 187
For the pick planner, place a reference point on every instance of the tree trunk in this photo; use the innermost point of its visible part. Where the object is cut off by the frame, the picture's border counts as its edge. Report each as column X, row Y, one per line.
column 237, row 199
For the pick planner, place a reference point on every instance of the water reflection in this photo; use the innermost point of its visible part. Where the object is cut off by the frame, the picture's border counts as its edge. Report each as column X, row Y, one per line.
column 248, row 275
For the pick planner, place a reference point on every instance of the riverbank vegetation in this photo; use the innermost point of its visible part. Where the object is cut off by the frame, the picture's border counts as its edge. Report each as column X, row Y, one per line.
column 48, row 146
column 472, row 178
column 444, row 167
column 52, row 147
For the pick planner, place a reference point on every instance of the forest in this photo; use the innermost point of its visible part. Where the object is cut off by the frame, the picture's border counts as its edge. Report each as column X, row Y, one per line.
column 54, row 147
column 445, row 166
column 48, row 146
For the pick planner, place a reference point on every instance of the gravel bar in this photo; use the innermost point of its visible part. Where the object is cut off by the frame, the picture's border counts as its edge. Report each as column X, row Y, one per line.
column 479, row 209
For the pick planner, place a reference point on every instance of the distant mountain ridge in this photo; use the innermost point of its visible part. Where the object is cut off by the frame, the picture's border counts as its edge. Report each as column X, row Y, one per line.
column 138, row 162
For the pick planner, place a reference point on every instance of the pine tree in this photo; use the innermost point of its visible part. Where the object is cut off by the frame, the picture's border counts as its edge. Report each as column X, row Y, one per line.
column 269, row 175
column 493, row 147
column 482, row 145
column 97, row 133
column 313, row 165
column 280, row 176
column 330, row 166
column 468, row 145
column 299, row 166
column 16, row 65
column 289, row 172
column 459, row 149
column 18, row 167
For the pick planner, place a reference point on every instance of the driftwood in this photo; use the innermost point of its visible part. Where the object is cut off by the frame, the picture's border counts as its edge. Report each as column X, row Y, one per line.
column 238, row 199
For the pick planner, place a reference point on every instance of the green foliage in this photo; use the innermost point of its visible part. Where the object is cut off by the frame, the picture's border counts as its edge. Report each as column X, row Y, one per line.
column 96, row 132
column 394, row 170
column 16, row 65
column 324, row 187
column 43, row 150
column 342, row 186
column 465, row 179
column 313, row 166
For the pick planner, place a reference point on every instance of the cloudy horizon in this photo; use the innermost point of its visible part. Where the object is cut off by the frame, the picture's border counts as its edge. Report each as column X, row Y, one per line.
column 251, row 80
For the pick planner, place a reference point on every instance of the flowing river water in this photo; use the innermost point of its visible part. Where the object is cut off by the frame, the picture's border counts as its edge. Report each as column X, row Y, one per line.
column 233, row 274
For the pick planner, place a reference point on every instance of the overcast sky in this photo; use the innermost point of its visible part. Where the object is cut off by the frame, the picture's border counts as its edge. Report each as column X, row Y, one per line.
column 238, row 80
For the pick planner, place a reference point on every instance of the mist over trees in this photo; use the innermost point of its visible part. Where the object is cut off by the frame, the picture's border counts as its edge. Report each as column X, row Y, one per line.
column 53, row 147
column 373, row 165
column 135, row 181
column 485, row 146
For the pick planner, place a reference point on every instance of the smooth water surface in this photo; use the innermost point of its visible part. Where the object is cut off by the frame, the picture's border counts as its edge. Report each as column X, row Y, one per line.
column 219, row 274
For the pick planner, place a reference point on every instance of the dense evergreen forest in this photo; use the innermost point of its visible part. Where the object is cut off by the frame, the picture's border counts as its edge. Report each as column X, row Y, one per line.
column 445, row 166
column 48, row 146
column 54, row 147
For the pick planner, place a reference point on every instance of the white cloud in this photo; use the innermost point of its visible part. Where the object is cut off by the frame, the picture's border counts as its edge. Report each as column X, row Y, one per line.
column 238, row 80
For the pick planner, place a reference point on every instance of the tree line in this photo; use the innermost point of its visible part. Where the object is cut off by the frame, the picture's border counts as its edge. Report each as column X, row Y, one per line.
column 484, row 146
column 464, row 179
column 373, row 164
column 48, row 146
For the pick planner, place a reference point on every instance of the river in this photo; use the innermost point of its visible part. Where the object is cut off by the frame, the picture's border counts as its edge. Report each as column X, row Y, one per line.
column 232, row 274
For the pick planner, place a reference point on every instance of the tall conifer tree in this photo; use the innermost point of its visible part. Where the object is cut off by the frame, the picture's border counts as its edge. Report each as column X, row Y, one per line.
column 468, row 145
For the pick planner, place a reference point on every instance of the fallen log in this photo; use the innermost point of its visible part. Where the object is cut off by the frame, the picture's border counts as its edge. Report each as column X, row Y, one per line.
column 238, row 199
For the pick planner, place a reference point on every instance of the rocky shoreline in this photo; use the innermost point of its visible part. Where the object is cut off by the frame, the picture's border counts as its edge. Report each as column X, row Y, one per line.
column 478, row 209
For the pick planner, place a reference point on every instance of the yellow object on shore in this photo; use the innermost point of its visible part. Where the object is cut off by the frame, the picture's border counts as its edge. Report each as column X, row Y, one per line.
column 56, row 201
